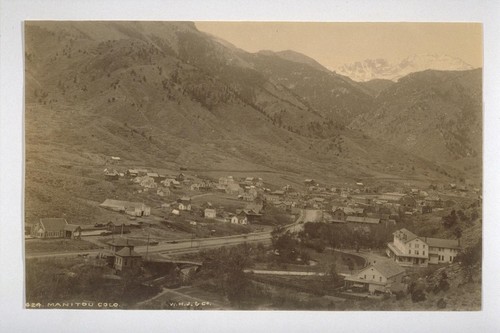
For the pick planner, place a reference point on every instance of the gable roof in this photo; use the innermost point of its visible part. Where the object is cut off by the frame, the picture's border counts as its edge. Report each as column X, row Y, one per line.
column 72, row 227
column 405, row 235
column 358, row 219
column 388, row 268
column 121, row 204
column 127, row 252
column 439, row 242
column 53, row 224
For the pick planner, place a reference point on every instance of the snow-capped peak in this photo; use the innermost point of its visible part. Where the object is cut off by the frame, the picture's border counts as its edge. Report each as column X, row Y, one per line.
column 370, row 69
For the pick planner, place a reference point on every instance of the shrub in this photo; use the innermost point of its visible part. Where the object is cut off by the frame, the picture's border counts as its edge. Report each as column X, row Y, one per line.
column 441, row 303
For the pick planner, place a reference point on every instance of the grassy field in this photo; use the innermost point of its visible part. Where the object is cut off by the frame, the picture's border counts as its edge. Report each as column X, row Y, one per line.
column 58, row 245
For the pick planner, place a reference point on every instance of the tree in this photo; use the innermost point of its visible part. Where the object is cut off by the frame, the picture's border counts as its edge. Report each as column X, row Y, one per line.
column 285, row 244
column 458, row 233
column 471, row 257
column 417, row 291
column 450, row 220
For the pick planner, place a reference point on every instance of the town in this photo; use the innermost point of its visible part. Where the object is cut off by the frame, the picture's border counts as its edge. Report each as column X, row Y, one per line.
column 339, row 243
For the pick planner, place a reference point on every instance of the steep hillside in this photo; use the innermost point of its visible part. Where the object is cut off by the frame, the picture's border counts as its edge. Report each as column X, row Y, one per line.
column 436, row 115
column 375, row 86
column 165, row 95
column 301, row 58
column 336, row 98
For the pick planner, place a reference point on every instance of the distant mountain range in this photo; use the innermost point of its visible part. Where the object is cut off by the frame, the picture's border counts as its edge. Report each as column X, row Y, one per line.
column 164, row 93
column 371, row 69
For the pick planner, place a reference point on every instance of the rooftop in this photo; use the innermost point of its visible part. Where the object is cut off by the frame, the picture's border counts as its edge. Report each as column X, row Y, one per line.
column 358, row 219
column 405, row 235
column 439, row 242
column 388, row 268
column 127, row 252
column 53, row 224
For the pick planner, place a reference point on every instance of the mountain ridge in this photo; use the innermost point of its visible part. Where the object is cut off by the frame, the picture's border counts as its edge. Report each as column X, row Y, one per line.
column 369, row 69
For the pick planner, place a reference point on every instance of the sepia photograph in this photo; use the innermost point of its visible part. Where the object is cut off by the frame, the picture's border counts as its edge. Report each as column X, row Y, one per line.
column 216, row 165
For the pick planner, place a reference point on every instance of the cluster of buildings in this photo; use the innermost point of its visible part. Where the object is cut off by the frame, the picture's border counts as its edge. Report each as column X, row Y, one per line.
column 47, row 228
column 406, row 250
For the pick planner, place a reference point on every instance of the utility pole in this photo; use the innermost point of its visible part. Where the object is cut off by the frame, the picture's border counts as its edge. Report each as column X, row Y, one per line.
column 147, row 246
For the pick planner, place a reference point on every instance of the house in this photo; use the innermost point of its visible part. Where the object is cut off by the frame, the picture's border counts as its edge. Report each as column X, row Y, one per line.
column 434, row 201
column 239, row 218
column 184, row 203
column 338, row 215
column 113, row 175
column 252, row 216
column 234, row 189
column 426, row 209
column 226, row 180
column 442, row 250
column 272, row 198
column 153, row 175
column 132, row 172
column 383, row 276
column 146, row 182
column 309, row 182
column 392, row 197
column 163, row 192
column 49, row 228
column 408, row 201
column 118, row 227
column 364, row 220
column 407, row 249
column 176, row 212
column 127, row 259
column 210, row 213
column 256, row 207
column 247, row 196
column 127, row 207
column 118, row 244
column 72, row 231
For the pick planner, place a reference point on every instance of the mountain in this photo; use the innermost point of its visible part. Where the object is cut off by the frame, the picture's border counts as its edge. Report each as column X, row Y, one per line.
column 437, row 115
column 296, row 57
column 165, row 95
column 375, row 86
column 370, row 69
column 336, row 98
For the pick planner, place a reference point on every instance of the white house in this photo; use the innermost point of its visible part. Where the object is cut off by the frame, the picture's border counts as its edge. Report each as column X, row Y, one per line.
column 442, row 250
column 408, row 249
column 210, row 213
column 383, row 276
column 239, row 219
column 127, row 207
column 184, row 206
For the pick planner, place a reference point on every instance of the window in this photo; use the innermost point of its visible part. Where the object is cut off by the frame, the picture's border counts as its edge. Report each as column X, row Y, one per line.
column 416, row 246
column 423, row 252
column 365, row 276
column 409, row 251
column 416, row 251
column 374, row 275
column 380, row 278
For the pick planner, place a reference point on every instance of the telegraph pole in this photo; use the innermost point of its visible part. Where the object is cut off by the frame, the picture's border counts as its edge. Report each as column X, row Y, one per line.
column 147, row 246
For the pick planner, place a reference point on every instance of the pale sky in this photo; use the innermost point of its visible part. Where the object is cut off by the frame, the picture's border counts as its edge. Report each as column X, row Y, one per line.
column 334, row 44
